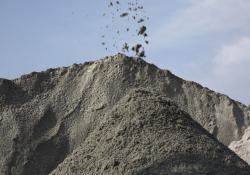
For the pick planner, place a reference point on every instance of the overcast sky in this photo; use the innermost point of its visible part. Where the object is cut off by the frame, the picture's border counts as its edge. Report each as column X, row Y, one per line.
column 207, row 41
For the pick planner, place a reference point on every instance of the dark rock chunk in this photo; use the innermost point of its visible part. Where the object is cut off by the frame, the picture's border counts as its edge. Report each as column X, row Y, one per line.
column 142, row 30
column 124, row 14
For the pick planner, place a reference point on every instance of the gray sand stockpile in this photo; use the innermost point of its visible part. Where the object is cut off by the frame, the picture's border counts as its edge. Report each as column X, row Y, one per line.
column 118, row 115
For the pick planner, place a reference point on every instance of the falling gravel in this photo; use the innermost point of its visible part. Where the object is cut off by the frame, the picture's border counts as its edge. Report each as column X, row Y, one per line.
column 142, row 30
column 127, row 27
column 124, row 15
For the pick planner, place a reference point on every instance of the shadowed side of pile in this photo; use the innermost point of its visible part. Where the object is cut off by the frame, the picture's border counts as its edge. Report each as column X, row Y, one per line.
column 145, row 133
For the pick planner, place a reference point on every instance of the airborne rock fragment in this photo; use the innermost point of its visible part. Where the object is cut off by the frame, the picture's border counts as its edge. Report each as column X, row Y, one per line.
column 141, row 20
column 142, row 30
column 124, row 15
column 125, row 47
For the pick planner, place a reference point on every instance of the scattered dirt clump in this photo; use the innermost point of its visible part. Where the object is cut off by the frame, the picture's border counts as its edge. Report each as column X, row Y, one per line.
column 124, row 14
column 142, row 30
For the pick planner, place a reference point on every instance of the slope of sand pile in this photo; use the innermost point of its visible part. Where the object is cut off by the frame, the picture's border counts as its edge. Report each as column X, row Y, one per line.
column 51, row 117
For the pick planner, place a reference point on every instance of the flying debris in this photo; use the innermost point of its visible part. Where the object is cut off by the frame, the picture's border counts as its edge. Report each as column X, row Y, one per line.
column 142, row 30
column 125, row 47
column 141, row 20
column 124, row 14
column 134, row 13
column 142, row 54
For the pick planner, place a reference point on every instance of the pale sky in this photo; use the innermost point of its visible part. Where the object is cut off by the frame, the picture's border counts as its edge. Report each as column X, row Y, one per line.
column 207, row 41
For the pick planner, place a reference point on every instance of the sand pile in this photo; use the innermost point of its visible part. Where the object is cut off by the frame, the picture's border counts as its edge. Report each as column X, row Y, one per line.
column 88, row 118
